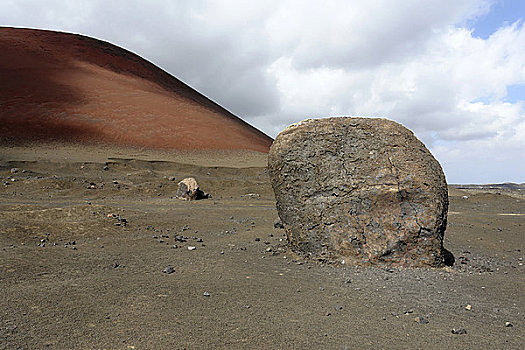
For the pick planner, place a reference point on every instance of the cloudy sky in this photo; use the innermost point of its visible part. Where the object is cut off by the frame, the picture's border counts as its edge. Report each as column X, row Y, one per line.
column 453, row 71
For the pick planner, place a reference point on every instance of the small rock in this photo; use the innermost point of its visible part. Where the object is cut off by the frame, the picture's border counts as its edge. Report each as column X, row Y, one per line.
column 190, row 247
column 508, row 324
column 269, row 249
column 468, row 307
column 278, row 224
column 188, row 189
column 168, row 270
column 206, row 294
column 338, row 307
column 459, row 331
column 14, row 170
column 421, row 320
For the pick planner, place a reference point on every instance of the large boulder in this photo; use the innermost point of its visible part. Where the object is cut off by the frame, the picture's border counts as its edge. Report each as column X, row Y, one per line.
column 359, row 191
column 188, row 189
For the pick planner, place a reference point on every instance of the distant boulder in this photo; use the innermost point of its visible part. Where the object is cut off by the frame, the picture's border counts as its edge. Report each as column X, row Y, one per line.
column 359, row 191
column 188, row 189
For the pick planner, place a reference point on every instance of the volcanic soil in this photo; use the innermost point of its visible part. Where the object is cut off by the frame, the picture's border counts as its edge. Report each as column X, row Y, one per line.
column 69, row 87
column 86, row 233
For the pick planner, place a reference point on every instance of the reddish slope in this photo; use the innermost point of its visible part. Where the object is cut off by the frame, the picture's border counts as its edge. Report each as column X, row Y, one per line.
column 59, row 86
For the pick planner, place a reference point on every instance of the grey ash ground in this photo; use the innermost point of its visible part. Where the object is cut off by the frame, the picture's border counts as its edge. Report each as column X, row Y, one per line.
column 85, row 256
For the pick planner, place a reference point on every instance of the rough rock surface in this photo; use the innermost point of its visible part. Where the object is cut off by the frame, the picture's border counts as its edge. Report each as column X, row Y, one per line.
column 188, row 189
column 359, row 190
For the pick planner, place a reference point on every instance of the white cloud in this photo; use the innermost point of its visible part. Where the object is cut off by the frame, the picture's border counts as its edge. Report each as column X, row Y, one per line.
column 277, row 62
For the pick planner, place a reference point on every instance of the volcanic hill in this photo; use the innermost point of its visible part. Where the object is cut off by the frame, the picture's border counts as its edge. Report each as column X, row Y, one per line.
column 65, row 87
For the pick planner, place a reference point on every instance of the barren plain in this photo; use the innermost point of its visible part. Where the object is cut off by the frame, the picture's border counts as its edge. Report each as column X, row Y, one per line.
column 86, row 233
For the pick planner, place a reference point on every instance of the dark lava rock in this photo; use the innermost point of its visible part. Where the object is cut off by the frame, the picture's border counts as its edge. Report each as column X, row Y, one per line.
column 421, row 320
column 168, row 270
column 362, row 190
column 278, row 224
column 188, row 189
column 459, row 331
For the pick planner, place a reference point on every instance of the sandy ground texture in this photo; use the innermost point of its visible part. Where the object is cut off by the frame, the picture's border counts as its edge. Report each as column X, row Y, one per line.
column 86, row 235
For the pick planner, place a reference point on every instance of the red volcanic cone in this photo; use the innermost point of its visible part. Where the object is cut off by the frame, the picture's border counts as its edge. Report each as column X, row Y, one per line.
column 67, row 87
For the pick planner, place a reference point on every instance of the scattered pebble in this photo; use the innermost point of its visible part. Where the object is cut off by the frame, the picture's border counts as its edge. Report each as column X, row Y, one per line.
column 168, row 270
column 459, row 331
column 206, row 294
column 421, row 320
column 468, row 307
column 190, row 247
column 508, row 324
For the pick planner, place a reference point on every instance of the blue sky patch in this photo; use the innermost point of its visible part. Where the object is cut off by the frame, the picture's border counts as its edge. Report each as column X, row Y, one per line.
column 503, row 12
column 515, row 93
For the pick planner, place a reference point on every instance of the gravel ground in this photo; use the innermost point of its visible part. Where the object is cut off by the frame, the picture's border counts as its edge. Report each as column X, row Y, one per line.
column 109, row 259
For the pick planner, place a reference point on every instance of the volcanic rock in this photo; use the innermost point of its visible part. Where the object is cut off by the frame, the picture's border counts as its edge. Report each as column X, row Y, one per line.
column 359, row 190
column 189, row 190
